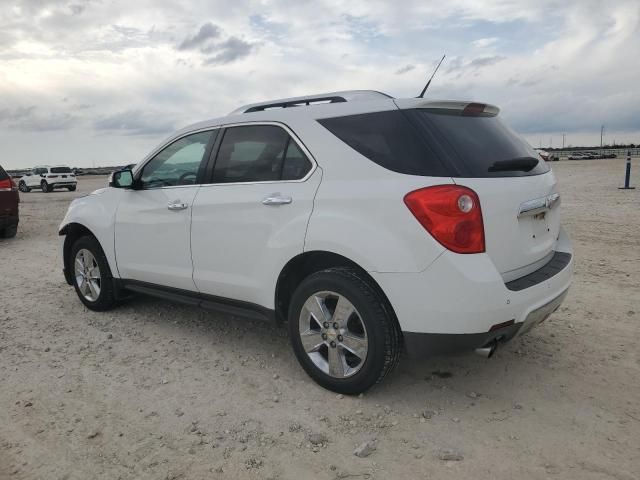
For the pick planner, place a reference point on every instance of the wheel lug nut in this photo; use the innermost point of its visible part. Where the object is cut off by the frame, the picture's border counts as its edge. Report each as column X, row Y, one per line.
column 339, row 338
column 325, row 324
column 324, row 336
column 335, row 325
column 333, row 344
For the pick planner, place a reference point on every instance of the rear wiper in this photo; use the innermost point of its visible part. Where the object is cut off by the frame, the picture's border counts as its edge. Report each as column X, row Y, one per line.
column 522, row 164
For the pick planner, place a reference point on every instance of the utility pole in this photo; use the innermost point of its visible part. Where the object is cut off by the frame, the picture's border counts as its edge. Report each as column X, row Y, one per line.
column 601, row 135
column 563, row 136
column 550, row 142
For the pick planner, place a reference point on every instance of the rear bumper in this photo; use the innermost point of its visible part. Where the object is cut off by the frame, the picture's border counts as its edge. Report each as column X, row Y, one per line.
column 458, row 299
column 429, row 344
column 63, row 183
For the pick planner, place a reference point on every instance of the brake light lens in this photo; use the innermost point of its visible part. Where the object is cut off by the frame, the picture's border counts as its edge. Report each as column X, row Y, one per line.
column 6, row 184
column 451, row 214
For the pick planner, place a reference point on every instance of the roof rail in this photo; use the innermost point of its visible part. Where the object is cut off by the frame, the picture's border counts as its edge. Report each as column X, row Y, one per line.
column 294, row 103
column 323, row 98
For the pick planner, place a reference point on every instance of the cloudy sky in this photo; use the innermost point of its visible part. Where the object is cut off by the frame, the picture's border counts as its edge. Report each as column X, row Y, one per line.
column 101, row 82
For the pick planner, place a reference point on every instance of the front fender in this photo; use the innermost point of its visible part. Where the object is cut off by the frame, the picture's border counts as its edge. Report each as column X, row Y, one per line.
column 95, row 213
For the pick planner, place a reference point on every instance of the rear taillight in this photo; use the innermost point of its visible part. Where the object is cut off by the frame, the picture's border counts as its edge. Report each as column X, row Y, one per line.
column 6, row 184
column 451, row 214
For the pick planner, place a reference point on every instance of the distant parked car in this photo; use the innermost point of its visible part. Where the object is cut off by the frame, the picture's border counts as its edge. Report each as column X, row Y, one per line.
column 9, row 200
column 543, row 153
column 576, row 156
column 609, row 155
column 47, row 178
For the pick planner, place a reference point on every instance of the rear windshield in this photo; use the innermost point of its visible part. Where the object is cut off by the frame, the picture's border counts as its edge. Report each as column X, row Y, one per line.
column 3, row 174
column 60, row 170
column 438, row 143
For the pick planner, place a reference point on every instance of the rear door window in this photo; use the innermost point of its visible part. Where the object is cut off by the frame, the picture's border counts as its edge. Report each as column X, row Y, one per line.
column 3, row 174
column 259, row 153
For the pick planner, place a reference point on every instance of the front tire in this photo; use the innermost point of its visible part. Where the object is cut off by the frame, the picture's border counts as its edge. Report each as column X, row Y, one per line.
column 22, row 186
column 91, row 274
column 343, row 333
column 72, row 189
column 46, row 188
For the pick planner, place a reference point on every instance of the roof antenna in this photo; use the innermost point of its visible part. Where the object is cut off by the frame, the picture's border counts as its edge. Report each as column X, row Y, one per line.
column 432, row 75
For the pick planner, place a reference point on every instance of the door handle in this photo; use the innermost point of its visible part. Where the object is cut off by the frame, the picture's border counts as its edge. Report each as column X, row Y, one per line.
column 176, row 205
column 277, row 199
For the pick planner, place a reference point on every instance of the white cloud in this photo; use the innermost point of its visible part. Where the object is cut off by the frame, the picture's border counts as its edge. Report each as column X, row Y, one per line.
column 551, row 66
column 484, row 42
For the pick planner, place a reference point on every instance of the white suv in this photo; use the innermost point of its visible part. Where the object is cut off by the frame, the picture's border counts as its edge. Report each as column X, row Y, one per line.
column 362, row 221
column 47, row 178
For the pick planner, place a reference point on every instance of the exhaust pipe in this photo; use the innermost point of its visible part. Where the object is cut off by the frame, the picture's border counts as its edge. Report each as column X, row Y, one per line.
column 488, row 349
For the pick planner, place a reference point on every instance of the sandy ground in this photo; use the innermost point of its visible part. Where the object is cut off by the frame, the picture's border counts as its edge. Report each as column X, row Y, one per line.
column 162, row 391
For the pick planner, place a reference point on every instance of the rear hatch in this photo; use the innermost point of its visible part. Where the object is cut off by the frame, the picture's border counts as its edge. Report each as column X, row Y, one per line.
column 516, row 189
column 62, row 172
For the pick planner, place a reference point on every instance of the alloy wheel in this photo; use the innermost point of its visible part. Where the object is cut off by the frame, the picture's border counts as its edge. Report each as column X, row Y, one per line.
column 333, row 334
column 87, row 273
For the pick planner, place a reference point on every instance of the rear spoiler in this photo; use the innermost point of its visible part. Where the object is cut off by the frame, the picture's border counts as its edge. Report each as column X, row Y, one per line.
column 464, row 107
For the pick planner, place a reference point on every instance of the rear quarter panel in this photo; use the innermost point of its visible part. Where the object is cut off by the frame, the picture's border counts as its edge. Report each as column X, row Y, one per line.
column 359, row 210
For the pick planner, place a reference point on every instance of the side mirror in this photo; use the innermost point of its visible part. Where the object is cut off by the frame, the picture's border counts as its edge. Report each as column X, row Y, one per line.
column 121, row 179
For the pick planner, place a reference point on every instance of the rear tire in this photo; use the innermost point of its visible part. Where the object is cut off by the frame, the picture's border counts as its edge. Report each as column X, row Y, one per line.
column 101, row 294
column 379, row 340
column 9, row 232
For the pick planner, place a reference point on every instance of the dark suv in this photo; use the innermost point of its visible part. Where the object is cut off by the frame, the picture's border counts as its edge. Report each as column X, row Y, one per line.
column 9, row 199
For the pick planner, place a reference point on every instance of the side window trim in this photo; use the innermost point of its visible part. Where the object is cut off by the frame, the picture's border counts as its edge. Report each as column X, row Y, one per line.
column 284, row 156
column 292, row 136
column 204, row 162
column 213, row 157
column 201, row 175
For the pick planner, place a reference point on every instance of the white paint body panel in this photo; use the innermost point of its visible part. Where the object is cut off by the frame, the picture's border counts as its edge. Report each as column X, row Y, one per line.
column 466, row 294
column 152, row 243
column 239, row 245
column 512, row 242
column 96, row 212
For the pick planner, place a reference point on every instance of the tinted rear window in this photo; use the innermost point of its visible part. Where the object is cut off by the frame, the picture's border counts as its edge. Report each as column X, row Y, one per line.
column 388, row 139
column 60, row 170
column 438, row 143
column 3, row 174
column 478, row 146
